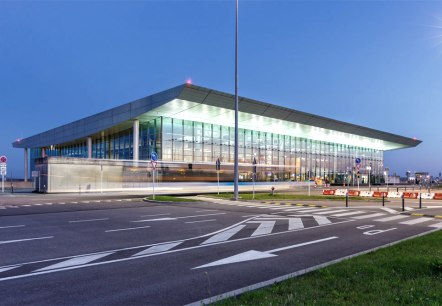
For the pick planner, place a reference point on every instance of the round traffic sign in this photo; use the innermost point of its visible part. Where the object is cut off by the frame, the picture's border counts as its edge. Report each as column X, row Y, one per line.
column 153, row 156
column 358, row 160
column 3, row 159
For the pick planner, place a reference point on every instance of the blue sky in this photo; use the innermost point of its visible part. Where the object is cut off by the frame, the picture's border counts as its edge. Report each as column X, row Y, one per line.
column 372, row 63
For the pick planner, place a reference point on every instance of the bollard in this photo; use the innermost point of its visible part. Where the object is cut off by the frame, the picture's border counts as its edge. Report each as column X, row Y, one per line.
column 383, row 199
column 420, row 200
column 346, row 199
column 403, row 203
column 273, row 191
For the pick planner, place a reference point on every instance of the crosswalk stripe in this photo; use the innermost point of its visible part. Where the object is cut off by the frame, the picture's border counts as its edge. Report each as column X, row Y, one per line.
column 408, row 208
column 295, row 223
column 223, row 236
column 265, row 227
column 369, row 216
column 76, row 261
column 349, row 213
column 321, row 220
column 392, row 218
column 389, row 210
column 437, row 225
column 416, row 221
column 158, row 248
column 7, row 268
column 330, row 212
column 293, row 209
column 318, row 209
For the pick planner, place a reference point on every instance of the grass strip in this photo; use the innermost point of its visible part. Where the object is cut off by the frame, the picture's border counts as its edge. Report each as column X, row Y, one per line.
column 287, row 196
column 409, row 273
column 162, row 198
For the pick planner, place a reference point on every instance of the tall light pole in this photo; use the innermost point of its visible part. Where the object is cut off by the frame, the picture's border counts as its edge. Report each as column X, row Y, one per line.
column 235, row 171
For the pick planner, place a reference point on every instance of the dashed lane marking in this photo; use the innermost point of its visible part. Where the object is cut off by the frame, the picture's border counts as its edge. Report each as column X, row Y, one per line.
column 12, row 226
column 126, row 229
column 88, row 220
column 26, row 239
column 199, row 221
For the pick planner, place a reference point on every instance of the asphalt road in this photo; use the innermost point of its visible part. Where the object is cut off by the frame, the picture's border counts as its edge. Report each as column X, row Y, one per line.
column 122, row 250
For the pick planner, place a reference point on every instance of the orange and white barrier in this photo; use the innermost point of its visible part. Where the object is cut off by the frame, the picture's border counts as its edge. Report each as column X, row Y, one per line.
column 328, row 192
column 379, row 194
column 411, row 195
column 437, row 196
column 367, row 194
column 354, row 193
column 341, row 192
column 394, row 194
column 427, row 196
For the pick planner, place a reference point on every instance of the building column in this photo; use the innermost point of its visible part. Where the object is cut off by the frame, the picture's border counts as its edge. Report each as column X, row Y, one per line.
column 89, row 147
column 26, row 165
column 136, row 139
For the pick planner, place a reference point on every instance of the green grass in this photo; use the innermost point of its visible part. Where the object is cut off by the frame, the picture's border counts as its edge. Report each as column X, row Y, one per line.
column 287, row 196
column 409, row 273
column 161, row 198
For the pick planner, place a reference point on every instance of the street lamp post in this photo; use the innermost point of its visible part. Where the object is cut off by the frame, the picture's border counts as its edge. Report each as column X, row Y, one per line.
column 369, row 178
column 235, row 174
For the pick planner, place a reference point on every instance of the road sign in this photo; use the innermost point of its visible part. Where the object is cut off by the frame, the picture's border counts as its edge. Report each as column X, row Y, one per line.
column 218, row 164
column 34, row 174
column 357, row 161
column 3, row 159
column 153, row 156
column 254, row 165
column 153, row 164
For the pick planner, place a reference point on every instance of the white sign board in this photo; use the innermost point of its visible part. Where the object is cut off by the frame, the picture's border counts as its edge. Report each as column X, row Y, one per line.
column 34, row 173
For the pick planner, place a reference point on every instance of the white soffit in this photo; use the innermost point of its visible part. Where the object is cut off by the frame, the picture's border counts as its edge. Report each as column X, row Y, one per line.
column 187, row 110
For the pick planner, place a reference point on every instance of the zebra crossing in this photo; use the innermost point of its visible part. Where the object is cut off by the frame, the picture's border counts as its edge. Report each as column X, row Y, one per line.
column 318, row 210
column 253, row 227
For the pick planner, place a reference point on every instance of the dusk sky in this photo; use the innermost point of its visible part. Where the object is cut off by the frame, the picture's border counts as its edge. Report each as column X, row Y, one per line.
column 373, row 63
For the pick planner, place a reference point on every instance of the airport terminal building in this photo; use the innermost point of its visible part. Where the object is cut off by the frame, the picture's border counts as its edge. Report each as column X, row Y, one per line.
column 189, row 128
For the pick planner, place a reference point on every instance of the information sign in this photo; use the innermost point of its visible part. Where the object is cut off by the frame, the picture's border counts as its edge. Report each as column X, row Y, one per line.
column 153, row 156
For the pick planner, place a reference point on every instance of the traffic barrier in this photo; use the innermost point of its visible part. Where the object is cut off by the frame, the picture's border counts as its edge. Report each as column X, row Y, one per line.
column 341, row 192
column 353, row 193
column 328, row 192
column 427, row 196
column 437, row 196
column 394, row 194
column 379, row 194
column 411, row 195
column 366, row 193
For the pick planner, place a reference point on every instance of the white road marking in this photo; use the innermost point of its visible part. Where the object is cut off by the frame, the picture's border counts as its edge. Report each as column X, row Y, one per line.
column 331, row 212
column 176, row 218
column 62, row 203
column 318, row 209
column 368, row 216
column 74, row 202
column 76, row 261
column 126, row 229
column 38, row 204
column 295, row 223
column 349, row 213
column 27, row 239
column 154, row 215
column 11, row 226
column 408, row 208
column 8, row 268
column 85, row 201
column 437, row 225
column 88, row 220
column 392, row 211
column 249, row 216
column 48, row 203
column 158, row 248
column 321, row 220
column 264, row 228
column 225, row 235
column 416, row 221
column 198, row 211
column 253, row 255
column 26, row 205
column 189, row 222
column 392, row 218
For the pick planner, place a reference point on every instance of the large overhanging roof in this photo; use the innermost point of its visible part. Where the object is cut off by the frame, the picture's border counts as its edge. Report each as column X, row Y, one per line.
column 196, row 103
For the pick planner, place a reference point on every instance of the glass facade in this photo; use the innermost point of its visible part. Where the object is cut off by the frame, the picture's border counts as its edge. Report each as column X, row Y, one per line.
column 195, row 144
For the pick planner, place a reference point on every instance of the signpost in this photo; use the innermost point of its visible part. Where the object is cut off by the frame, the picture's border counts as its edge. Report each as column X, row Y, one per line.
column 153, row 163
column 254, row 175
column 218, row 167
column 3, row 172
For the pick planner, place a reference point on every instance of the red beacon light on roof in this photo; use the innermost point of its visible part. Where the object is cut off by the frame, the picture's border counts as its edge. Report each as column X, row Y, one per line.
column 189, row 82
